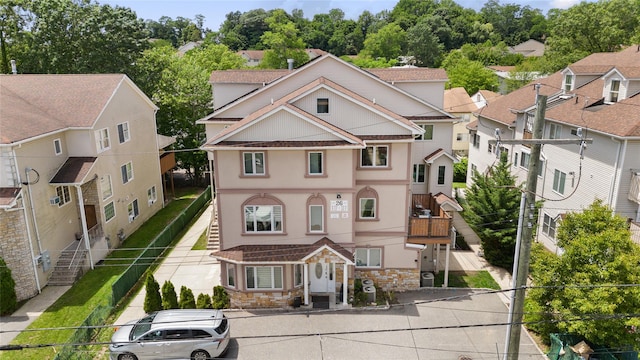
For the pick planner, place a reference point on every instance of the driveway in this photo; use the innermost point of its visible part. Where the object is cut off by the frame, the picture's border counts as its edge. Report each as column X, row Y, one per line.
column 420, row 328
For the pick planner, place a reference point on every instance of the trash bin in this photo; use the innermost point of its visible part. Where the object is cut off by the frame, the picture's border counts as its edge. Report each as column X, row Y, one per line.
column 426, row 279
column 297, row 301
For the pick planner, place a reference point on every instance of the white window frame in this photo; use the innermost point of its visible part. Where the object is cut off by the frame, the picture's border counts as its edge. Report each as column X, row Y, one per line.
column 102, row 140
column 106, row 186
column 475, row 140
column 559, row 181
column 57, row 146
column 256, row 162
column 123, row 132
column 373, row 155
column 361, row 202
column 276, row 218
column 525, row 160
column 126, row 171
column 568, row 82
column 365, row 254
column 419, row 170
column 133, row 210
column 549, row 226
column 64, row 194
column 311, row 213
column 276, row 274
column 152, row 195
column 106, row 212
column 555, row 131
column 298, row 275
column 311, row 163
column 614, row 95
column 231, row 275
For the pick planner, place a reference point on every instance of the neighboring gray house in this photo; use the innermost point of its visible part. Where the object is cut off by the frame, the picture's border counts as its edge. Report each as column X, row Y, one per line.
column 596, row 97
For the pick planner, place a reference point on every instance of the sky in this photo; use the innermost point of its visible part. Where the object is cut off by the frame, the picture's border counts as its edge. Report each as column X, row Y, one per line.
column 215, row 11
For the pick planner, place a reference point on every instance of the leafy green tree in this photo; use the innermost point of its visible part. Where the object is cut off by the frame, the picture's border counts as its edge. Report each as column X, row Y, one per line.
column 204, row 301
column 424, row 45
column 283, row 43
column 584, row 290
column 493, row 202
column 79, row 36
column 169, row 296
column 514, row 23
column 179, row 31
column 8, row 298
column 460, row 170
column 471, row 75
column 12, row 21
column 220, row 299
column 187, row 301
column 368, row 63
column 387, row 43
column 152, row 299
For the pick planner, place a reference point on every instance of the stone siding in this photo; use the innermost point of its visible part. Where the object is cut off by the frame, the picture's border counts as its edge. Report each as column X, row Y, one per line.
column 392, row 279
column 263, row 299
column 15, row 250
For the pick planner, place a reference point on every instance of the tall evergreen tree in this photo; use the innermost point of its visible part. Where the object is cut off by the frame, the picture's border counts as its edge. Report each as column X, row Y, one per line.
column 7, row 290
column 493, row 203
column 169, row 296
column 152, row 298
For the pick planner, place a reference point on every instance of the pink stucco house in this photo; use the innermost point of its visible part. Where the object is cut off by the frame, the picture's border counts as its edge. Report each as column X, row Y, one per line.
column 327, row 173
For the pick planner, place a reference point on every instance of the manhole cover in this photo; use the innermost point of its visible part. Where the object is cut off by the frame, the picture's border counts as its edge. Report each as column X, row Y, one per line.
column 464, row 357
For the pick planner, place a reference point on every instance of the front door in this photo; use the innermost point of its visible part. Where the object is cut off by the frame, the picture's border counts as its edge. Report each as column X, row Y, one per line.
column 90, row 215
column 323, row 277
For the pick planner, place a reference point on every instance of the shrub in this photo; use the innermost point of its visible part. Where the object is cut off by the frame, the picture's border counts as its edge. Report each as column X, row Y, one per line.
column 169, row 296
column 220, row 298
column 204, row 302
column 8, row 301
column 460, row 170
column 187, row 301
column 152, row 299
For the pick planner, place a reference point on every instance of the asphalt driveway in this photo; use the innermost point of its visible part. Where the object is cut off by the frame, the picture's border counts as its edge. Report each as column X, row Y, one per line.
column 458, row 328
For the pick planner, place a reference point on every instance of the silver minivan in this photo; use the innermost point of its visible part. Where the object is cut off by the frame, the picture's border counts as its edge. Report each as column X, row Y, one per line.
column 196, row 334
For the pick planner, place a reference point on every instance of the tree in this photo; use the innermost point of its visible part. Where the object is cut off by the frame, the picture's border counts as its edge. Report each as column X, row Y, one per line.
column 152, row 299
column 493, row 202
column 283, row 43
column 169, row 296
column 460, row 170
column 387, row 43
column 204, row 301
column 8, row 301
column 220, row 299
column 78, row 36
column 578, row 291
column 471, row 75
column 187, row 301
column 424, row 45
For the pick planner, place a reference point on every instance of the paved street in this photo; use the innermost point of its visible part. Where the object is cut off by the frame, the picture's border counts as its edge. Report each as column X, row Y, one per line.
column 435, row 330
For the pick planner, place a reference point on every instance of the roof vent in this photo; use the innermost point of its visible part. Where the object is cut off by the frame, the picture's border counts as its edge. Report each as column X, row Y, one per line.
column 14, row 69
column 290, row 64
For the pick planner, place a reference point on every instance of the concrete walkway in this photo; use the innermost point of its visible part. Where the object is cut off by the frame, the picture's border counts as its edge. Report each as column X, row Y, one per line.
column 183, row 267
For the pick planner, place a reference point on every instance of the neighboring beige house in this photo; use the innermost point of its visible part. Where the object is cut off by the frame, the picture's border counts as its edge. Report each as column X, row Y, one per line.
column 80, row 171
column 458, row 103
column 596, row 97
column 328, row 173
column 528, row 48
column 483, row 97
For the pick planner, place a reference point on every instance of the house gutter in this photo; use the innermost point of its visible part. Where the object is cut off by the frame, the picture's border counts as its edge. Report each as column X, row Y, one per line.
column 620, row 154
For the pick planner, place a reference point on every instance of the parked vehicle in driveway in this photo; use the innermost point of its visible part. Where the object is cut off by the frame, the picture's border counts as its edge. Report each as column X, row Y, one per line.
column 197, row 334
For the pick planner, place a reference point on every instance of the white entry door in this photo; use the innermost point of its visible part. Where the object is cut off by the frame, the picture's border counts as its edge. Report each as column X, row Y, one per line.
column 323, row 277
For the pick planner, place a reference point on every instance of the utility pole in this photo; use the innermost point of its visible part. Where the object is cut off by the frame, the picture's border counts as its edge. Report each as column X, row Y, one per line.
column 527, row 232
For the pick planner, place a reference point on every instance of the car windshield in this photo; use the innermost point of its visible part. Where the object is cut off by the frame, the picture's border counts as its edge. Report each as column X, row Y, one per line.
column 141, row 327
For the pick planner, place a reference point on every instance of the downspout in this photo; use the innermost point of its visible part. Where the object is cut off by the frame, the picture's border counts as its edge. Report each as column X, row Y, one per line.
column 83, row 221
column 619, row 156
column 35, row 225
column 33, row 210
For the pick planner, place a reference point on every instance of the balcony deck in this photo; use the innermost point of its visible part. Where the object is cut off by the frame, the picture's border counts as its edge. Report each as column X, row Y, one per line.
column 428, row 223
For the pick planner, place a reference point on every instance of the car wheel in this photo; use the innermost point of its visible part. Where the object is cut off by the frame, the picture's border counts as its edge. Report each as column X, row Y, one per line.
column 200, row 355
column 127, row 357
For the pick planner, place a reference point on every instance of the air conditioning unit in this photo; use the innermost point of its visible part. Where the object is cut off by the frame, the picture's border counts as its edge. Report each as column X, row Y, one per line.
column 54, row 200
column 151, row 202
column 131, row 218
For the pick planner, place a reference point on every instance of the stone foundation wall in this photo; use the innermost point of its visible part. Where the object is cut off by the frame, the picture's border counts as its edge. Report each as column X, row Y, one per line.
column 263, row 299
column 392, row 279
column 14, row 249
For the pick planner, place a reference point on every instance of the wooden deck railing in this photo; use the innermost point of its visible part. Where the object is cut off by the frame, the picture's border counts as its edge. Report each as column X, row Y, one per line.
column 429, row 227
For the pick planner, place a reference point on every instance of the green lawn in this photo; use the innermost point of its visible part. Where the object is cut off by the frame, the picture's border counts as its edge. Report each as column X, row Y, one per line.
column 94, row 288
column 459, row 185
column 478, row 280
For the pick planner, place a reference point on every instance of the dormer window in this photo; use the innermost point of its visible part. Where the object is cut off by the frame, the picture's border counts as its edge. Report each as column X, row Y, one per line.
column 614, row 91
column 568, row 82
